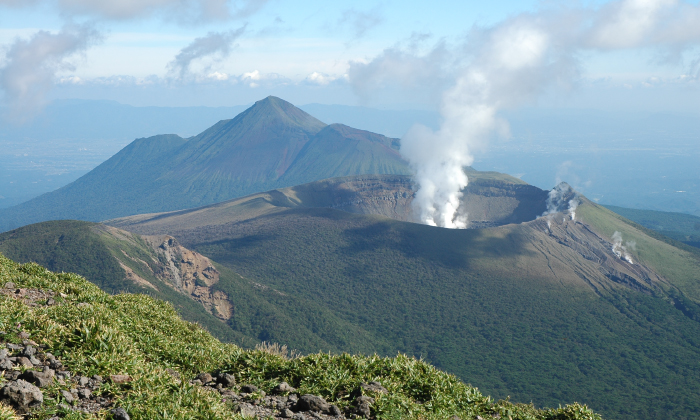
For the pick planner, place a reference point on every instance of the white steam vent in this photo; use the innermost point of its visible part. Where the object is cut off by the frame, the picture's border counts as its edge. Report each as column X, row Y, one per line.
column 621, row 250
column 561, row 199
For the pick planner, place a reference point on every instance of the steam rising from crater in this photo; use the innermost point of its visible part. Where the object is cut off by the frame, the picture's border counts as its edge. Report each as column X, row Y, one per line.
column 561, row 198
column 504, row 66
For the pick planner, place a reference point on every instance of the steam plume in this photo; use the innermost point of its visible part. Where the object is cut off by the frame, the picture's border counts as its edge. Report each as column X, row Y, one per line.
column 510, row 64
column 620, row 250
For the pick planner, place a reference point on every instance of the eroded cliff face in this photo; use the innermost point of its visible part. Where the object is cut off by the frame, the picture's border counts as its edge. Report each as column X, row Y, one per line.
column 190, row 273
column 569, row 243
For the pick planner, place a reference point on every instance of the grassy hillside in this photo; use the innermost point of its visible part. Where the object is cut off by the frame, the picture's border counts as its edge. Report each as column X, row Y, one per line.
column 270, row 145
column 535, row 313
column 95, row 333
column 679, row 226
column 103, row 254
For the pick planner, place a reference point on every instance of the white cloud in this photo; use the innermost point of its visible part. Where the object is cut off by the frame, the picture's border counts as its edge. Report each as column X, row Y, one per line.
column 215, row 45
column 187, row 11
column 361, row 22
column 31, row 65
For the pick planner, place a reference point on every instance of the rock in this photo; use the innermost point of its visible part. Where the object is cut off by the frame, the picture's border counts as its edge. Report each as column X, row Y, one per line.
column 249, row 389
column 50, row 302
column 23, row 334
column 40, row 379
column 9, row 285
column 286, row 413
column 283, row 388
column 97, row 378
column 362, row 399
column 246, row 410
column 363, row 410
column 24, row 362
column 172, row 372
column 67, row 396
column 298, row 416
column 55, row 364
column 29, row 351
column 5, row 364
column 205, row 377
column 22, row 395
column 362, row 406
column 83, row 381
column 226, row 379
column 36, row 362
column 120, row 414
column 120, row 379
column 334, row 410
column 310, row 402
column 3, row 354
column 374, row 386
column 14, row 346
column 84, row 393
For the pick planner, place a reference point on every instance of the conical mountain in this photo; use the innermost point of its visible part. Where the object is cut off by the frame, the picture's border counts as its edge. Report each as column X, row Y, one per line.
column 272, row 144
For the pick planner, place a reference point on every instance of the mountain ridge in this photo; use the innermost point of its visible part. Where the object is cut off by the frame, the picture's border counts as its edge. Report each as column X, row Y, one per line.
column 249, row 153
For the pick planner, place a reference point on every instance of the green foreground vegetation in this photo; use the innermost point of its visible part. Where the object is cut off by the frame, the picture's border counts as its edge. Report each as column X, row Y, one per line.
column 96, row 333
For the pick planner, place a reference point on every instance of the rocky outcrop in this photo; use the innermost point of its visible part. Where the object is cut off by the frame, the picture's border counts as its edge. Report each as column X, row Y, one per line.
column 286, row 403
column 190, row 273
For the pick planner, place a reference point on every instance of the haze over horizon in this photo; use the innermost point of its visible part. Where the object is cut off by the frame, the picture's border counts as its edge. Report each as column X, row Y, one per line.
column 632, row 60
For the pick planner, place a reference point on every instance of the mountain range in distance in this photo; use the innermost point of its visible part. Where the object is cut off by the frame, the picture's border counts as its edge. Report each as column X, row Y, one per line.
column 271, row 144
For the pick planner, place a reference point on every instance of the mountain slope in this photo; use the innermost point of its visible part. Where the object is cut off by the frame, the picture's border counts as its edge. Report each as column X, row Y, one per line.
column 229, row 306
column 270, row 145
column 147, row 357
column 679, row 226
column 537, row 311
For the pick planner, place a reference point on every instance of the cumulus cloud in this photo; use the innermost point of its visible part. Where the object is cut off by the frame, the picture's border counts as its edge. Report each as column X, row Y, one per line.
column 215, row 45
column 361, row 22
column 179, row 10
column 31, row 66
column 507, row 65
column 408, row 65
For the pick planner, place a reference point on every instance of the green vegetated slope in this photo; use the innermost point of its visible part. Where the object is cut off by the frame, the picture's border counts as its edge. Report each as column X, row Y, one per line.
column 537, row 313
column 257, row 313
column 679, row 226
column 270, row 145
column 92, row 332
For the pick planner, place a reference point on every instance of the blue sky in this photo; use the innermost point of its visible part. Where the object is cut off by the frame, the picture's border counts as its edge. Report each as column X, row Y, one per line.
column 303, row 51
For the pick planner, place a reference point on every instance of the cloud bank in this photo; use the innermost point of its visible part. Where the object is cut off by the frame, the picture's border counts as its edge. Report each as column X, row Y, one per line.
column 31, row 65
column 186, row 11
column 505, row 66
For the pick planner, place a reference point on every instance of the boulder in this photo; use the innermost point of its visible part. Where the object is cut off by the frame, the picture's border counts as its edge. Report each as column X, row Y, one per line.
column 41, row 379
column 283, row 388
column 314, row 403
column 22, row 395
column 205, row 377
column 226, row 379
column 120, row 414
